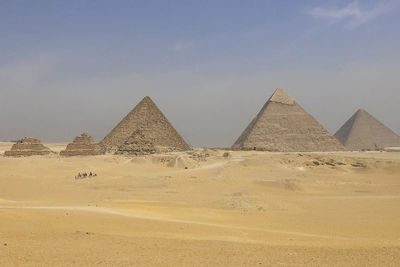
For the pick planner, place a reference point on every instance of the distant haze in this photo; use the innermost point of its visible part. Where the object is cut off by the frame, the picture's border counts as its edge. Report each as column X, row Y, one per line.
column 68, row 67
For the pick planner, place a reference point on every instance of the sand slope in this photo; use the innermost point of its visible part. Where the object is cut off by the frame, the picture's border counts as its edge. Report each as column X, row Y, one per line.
column 252, row 208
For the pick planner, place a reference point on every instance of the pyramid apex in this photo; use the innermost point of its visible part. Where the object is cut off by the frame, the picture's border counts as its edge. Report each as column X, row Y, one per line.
column 361, row 112
column 280, row 96
column 147, row 98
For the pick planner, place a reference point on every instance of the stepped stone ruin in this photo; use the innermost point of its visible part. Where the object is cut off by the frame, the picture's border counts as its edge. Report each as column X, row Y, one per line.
column 27, row 146
column 145, row 130
column 82, row 145
column 363, row 132
column 283, row 125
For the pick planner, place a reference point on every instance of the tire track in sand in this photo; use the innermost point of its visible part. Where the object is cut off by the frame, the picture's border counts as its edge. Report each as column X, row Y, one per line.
column 114, row 212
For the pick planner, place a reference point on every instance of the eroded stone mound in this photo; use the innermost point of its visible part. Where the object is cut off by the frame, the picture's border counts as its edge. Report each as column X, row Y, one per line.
column 82, row 145
column 27, row 146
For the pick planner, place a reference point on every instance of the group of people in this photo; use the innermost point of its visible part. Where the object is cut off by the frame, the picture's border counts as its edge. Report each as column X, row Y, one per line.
column 85, row 175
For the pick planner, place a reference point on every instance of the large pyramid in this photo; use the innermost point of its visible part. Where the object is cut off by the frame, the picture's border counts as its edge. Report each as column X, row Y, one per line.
column 363, row 132
column 82, row 145
column 153, row 126
column 27, row 146
column 283, row 125
column 137, row 144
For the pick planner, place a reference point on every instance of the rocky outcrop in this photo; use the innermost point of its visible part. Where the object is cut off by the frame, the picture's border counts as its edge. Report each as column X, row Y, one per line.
column 28, row 146
column 82, row 145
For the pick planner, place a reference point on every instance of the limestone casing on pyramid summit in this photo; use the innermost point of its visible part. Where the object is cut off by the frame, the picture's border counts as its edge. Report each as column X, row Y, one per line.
column 283, row 125
column 364, row 132
column 27, row 146
column 280, row 96
column 82, row 145
column 149, row 120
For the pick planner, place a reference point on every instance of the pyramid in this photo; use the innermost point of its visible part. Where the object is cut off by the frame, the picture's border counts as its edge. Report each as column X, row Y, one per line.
column 363, row 132
column 283, row 125
column 27, row 146
column 137, row 144
column 82, row 145
column 152, row 124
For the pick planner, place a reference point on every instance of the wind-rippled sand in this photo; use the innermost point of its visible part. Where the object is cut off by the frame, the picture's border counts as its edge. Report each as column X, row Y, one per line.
column 251, row 208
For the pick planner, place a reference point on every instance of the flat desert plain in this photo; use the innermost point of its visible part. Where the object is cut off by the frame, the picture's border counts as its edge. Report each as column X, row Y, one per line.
column 200, row 208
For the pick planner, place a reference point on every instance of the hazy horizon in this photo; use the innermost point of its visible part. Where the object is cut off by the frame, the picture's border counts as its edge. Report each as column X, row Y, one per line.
column 69, row 67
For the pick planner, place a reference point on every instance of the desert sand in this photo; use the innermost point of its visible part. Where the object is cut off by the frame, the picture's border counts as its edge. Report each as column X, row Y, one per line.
column 201, row 209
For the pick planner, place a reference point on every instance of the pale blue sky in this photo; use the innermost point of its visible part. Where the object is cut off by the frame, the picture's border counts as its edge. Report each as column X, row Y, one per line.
column 73, row 66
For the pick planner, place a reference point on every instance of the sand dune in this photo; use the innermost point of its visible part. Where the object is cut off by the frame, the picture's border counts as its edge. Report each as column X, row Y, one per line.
column 252, row 208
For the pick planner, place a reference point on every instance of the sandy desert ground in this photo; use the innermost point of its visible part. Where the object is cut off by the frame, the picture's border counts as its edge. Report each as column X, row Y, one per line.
column 201, row 209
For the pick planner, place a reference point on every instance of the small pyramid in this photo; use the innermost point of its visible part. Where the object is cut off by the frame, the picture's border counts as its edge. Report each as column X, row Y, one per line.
column 283, row 125
column 82, row 145
column 155, row 127
column 363, row 132
column 27, row 146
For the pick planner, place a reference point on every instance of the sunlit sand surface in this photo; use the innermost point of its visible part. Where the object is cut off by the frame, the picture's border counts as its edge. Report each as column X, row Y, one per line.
column 201, row 209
